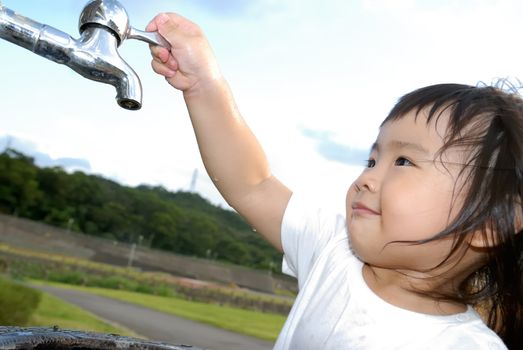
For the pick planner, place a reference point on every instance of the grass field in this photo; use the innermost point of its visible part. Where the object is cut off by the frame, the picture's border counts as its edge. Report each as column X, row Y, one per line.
column 260, row 325
column 30, row 264
column 52, row 311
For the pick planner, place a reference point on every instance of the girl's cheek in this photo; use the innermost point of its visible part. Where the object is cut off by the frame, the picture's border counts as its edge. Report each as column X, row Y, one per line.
column 350, row 195
column 348, row 209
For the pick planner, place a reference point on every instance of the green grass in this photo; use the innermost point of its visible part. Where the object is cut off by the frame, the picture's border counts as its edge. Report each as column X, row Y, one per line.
column 52, row 311
column 256, row 324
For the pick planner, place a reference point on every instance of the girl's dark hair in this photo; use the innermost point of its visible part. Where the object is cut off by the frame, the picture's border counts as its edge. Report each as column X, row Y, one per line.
column 487, row 121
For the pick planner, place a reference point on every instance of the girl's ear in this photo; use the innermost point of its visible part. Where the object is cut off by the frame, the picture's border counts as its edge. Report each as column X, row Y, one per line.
column 483, row 239
column 487, row 239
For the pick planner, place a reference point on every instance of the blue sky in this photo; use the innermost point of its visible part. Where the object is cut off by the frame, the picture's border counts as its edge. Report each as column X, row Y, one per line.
column 313, row 80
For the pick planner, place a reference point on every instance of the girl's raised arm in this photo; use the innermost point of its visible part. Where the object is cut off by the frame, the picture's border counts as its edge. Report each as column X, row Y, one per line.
column 231, row 153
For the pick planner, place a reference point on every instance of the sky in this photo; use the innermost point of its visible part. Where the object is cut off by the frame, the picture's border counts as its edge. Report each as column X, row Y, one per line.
column 313, row 79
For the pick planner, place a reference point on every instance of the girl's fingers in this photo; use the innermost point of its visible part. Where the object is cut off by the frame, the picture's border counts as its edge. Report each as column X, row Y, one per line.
column 165, row 58
column 151, row 27
column 171, row 63
column 162, row 69
column 160, row 53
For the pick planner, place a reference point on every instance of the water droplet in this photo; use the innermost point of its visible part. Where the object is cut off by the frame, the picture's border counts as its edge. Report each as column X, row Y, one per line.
column 254, row 230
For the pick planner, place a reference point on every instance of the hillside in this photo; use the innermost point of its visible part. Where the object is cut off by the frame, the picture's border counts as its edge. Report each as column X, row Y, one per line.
column 178, row 222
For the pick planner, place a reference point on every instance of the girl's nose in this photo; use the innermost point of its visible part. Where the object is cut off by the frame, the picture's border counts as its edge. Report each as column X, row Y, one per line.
column 366, row 182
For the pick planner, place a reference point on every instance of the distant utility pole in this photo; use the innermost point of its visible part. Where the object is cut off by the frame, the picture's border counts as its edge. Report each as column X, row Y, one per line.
column 193, row 181
column 70, row 223
column 133, row 251
column 131, row 255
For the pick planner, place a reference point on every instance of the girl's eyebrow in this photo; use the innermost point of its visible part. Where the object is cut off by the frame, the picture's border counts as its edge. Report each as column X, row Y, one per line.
column 400, row 145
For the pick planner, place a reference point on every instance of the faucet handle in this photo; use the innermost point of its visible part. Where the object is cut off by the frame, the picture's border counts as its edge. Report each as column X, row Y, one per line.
column 154, row 38
column 112, row 15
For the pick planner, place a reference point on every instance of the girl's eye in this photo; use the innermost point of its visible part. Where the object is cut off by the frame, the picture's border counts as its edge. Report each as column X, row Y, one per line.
column 401, row 161
column 370, row 163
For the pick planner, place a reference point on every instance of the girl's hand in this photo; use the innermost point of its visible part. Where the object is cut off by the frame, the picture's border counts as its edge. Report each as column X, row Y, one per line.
column 190, row 65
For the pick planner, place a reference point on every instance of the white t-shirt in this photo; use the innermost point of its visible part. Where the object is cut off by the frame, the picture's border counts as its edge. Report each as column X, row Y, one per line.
column 335, row 309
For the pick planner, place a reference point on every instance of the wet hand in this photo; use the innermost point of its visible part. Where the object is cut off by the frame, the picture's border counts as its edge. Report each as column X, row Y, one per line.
column 190, row 64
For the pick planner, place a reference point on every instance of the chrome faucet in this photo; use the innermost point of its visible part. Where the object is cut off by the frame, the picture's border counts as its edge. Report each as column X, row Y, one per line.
column 103, row 26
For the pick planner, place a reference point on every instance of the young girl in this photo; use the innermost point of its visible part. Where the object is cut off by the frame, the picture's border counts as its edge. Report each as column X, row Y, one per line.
column 429, row 251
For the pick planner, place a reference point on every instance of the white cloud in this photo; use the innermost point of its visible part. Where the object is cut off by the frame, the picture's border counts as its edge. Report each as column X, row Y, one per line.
column 42, row 159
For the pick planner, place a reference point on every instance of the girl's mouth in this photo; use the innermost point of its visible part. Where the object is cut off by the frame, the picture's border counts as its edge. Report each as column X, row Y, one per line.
column 359, row 208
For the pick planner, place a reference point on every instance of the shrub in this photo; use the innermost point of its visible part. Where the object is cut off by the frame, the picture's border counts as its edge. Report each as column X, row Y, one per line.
column 78, row 278
column 164, row 291
column 17, row 303
column 112, row 282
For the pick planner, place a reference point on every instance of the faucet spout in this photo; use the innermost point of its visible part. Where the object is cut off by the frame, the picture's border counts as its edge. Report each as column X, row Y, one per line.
column 94, row 55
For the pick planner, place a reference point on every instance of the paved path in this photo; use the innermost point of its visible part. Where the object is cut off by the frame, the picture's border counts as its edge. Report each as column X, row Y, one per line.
column 157, row 325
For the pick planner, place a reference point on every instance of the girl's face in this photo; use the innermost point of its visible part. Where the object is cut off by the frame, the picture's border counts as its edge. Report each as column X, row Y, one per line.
column 406, row 193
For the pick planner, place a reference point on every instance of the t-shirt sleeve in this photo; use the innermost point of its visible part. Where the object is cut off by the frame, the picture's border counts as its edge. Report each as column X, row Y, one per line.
column 305, row 231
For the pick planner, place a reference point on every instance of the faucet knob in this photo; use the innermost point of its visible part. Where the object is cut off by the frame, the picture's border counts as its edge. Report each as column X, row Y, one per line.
column 112, row 15
column 107, row 13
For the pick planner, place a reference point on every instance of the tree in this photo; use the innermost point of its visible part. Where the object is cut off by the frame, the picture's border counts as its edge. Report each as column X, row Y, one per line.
column 179, row 222
column 18, row 184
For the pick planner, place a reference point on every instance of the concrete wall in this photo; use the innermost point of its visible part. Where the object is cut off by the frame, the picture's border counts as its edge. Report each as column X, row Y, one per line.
column 36, row 236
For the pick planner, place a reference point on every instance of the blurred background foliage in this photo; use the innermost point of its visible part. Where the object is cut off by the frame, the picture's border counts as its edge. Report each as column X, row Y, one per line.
column 179, row 222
